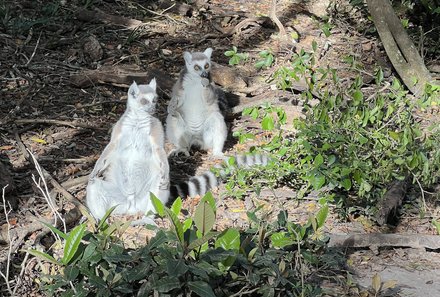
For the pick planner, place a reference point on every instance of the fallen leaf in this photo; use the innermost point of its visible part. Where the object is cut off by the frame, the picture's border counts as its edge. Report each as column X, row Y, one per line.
column 38, row 140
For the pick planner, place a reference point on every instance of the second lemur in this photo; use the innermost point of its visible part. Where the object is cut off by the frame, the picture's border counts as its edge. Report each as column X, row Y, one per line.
column 194, row 115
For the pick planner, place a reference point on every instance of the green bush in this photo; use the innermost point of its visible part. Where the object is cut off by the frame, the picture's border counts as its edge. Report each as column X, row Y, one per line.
column 190, row 259
column 351, row 143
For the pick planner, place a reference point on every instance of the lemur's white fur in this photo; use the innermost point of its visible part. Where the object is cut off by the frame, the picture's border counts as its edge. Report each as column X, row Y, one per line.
column 134, row 163
column 194, row 117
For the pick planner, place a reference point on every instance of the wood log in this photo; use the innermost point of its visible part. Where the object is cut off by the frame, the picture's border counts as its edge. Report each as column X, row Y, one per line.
column 124, row 75
column 385, row 240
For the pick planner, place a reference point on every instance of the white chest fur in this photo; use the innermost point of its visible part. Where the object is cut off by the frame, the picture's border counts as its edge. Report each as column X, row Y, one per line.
column 194, row 105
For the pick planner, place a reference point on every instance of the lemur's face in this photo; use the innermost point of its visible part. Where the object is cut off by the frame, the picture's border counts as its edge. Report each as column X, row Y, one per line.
column 198, row 63
column 143, row 97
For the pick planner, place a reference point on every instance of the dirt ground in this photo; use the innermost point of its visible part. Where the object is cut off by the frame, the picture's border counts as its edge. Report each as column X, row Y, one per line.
column 66, row 124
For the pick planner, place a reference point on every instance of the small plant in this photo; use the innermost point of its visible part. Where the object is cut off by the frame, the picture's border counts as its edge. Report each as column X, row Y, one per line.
column 349, row 146
column 266, row 60
column 189, row 259
column 235, row 57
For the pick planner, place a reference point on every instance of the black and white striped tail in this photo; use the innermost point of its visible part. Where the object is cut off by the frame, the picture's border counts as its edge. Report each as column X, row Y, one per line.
column 201, row 184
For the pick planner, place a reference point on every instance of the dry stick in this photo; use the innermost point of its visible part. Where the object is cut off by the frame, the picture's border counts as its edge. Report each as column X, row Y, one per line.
column 45, row 192
column 35, row 50
column 274, row 18
column 5, row 275
column 73, row 124
column 54, row 183
column 20, row 277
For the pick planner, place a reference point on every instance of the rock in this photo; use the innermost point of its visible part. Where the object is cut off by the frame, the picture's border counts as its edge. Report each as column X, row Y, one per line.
column 93, row 49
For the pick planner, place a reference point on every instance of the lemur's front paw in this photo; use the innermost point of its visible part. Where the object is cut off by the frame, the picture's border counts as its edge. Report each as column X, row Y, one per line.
column 205, row 82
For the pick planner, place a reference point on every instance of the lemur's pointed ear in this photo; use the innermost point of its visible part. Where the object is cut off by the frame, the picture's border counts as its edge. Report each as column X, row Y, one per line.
column 134, row 89
column 188, row 57
column 208, row 52
column 153, row 84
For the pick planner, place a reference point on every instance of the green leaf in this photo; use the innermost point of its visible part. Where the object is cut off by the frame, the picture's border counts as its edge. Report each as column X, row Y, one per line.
column 72, row 243
column 260, row 64
column 201, row 288
column 71, row 273
column 55, row 230
column 279, row 239
column 436, row 225
column 346, row 183
column 229, row 53
column 158, row 205
column 159, row 239
column 187, row 224
column 44, row 256
column 210, row 200
column 321, row 216
column 331, row 160
column 137, row 272
column 200, row 241
column 176, row 224
column 314, row 46
column 176, row 268
column 166, row 284
column 177, row 206
column 204, row 217
column 267, row 123
column 318, row 181
column 229, row 240
column 102, row 223
column 318, row 161
column 399, row 161
column 358, row 97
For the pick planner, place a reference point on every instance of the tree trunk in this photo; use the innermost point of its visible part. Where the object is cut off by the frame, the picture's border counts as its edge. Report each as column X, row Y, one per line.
column 399, row 47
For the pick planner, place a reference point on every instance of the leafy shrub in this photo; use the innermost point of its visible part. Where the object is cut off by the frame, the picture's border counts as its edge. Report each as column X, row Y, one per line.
column 352, row 144
column 190, row 259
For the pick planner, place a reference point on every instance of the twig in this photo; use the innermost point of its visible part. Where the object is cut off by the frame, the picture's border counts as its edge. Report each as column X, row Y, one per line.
column 274, row 18
column 54, row 183
column 20, row 276
column 243, row 292
column 35, row 49
column 45, row 191
column 5, row 275
column 73, row 124
column 421, row 190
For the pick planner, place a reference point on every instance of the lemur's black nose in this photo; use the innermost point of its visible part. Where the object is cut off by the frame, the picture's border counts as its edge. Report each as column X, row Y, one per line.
column 204, row 74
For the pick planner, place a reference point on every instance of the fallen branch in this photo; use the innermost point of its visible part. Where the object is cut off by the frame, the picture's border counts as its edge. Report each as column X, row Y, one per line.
column 97, row 15
column 73, row 124
column 385, row 240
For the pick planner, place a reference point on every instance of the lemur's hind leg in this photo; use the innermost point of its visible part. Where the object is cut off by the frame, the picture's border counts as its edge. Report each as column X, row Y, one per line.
column 215, row 133
column 177, row 135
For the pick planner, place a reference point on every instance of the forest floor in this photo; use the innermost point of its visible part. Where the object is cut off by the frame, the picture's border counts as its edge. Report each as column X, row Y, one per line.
column 50, row 107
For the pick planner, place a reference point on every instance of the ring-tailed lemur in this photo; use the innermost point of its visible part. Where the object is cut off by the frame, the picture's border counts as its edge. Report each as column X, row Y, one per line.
column 134, row 162
column 194, row 112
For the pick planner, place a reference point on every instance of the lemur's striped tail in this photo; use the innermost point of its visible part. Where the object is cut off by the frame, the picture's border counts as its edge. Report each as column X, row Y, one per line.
column 201, row 184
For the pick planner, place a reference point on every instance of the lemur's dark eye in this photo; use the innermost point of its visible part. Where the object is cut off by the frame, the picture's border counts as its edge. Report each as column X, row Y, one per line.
column 196, row 67
column 206, row 66
column 144, row 101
